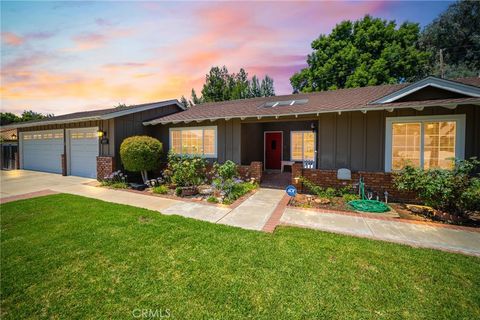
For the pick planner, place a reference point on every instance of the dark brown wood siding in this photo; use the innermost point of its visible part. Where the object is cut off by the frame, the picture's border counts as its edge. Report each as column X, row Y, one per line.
column 357, row 141
column 351, row 140
column 132, row 125
column 105, row 125
column 228, row 137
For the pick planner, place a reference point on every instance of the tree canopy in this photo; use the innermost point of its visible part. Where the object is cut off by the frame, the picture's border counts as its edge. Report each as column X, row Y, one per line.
column 27, row 115
column 457, row 33
column 220, row 85
column 370, row 51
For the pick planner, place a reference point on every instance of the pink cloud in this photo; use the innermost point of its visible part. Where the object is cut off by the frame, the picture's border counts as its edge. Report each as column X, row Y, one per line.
column 12, row 39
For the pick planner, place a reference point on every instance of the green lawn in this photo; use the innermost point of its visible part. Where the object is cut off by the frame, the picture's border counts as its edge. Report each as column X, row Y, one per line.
column 65, row 256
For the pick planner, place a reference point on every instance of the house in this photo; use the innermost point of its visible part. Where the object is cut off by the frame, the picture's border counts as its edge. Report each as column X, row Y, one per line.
column 85, row 143
column 371, row 130
column 9, row 147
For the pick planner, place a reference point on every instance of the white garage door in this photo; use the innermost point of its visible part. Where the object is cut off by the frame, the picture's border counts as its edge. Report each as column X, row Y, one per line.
column 83, row 151
column 42, row 150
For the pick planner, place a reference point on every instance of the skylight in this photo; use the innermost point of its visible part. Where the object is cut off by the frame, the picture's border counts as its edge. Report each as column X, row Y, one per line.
column 274, row 104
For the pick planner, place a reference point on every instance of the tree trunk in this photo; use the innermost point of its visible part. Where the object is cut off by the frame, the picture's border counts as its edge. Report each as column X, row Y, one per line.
column 144, row 175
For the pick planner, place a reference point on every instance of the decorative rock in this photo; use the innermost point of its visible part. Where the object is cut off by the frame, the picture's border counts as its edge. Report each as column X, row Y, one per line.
column 425, row 210
column 205, row 190
column 321, row 201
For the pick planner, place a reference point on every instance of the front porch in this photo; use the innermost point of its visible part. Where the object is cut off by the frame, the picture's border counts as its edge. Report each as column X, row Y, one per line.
column 278, row 145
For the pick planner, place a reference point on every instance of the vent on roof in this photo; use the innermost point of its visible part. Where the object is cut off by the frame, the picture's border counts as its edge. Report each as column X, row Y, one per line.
column 273, row 104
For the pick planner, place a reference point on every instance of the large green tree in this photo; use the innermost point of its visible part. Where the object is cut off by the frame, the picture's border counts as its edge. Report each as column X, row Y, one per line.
column 456, row 35
column 220, row 85
column 370, row 51
column 27, row 115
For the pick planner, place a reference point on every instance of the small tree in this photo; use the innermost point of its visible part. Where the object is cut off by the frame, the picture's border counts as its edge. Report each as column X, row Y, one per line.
column 140, row 154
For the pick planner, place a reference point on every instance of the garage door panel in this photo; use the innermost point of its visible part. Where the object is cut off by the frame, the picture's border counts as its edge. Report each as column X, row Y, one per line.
column 42, row 150
column 83, row 146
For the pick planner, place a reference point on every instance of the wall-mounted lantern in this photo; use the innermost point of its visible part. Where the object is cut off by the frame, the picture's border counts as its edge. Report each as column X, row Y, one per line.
column 101, row 133
column 14, row 136
column 312, row 126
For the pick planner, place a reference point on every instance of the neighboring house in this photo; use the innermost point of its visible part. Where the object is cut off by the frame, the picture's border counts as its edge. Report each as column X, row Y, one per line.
column 9, row 147
column 85, row 143
column 371, row 130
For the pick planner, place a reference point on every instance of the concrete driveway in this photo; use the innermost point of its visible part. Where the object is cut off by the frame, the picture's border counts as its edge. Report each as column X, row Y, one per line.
column 251, row 214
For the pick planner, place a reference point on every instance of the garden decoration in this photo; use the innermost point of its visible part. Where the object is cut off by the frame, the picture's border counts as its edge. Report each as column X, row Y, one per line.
column 367, row 205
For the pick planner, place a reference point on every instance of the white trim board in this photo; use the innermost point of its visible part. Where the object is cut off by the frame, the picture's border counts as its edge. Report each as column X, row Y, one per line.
column 443, row 84
column 460, row 120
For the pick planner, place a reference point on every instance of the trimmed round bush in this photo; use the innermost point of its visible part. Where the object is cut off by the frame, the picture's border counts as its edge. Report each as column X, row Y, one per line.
column 140, row 154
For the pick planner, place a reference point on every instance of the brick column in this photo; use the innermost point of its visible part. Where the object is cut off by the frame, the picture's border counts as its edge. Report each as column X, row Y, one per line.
column 256, row 170
column 64, row 164
column 105, row 167
column 296, row 173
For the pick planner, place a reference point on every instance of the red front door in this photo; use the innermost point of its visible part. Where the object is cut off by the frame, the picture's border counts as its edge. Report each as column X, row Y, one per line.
column 273, row 150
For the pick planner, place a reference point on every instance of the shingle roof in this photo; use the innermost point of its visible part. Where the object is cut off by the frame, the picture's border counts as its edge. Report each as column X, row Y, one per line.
column 318, row 102
column 100, row 114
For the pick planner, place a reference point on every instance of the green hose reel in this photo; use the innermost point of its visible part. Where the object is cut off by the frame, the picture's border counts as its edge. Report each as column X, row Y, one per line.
column 366, row 205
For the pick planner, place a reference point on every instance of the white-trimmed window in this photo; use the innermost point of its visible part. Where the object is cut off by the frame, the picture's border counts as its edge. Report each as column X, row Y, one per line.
column 426, row 141
column 194, row 141
column 302, row 145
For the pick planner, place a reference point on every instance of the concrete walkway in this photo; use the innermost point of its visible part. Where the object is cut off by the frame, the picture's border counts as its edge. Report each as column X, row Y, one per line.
column 420, row 235
column 21, row 183
column 254, row 212
column 261, row 211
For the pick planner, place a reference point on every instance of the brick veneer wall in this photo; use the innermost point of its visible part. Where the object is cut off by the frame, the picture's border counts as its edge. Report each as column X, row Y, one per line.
column 379, row 182
column 105, row 166
column 254, row 170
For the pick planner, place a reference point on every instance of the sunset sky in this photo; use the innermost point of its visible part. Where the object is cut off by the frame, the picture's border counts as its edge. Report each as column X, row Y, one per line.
column 62, row 57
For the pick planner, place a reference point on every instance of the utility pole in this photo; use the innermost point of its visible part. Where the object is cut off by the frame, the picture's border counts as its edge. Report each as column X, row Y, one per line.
column 442, row 70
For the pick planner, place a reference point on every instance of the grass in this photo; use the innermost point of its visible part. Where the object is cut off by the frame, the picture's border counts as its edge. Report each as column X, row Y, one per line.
column 66, row 256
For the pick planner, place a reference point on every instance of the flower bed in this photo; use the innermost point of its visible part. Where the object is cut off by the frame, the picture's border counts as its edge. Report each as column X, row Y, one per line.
column 191, row 178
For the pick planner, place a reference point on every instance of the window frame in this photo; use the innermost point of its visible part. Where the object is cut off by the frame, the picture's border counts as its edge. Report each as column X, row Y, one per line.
column 459, row 120
column 203, row 128
column 303, row 145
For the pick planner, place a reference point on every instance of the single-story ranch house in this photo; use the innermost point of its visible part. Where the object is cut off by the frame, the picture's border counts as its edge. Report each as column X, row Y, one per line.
column 370, row 130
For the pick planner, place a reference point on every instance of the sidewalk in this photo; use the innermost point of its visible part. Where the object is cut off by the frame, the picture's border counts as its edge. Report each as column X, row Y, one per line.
column 419, row 235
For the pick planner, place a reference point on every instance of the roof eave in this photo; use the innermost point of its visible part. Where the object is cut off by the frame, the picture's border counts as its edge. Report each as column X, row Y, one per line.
column 449, row 105
column 107, row 116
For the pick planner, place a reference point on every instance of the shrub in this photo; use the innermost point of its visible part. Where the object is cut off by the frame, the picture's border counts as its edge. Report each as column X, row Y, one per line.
column 212, row 199
column 226, row 171
column 186, row 171
column 178, row 191
column 239, row 189
column 455, row 191
column 140, row 154
column 317, row 190
column 347, row 197
column 162, row 189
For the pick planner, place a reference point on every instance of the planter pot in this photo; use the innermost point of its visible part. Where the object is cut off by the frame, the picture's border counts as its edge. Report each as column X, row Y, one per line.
column 188, row 191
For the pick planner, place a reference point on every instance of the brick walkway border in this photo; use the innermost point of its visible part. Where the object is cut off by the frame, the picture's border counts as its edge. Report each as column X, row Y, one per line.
column 30, row 195
column 401, row 220
column 277, row 214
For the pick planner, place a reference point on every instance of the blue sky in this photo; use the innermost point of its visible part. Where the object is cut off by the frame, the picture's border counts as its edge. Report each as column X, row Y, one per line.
column 61, row 57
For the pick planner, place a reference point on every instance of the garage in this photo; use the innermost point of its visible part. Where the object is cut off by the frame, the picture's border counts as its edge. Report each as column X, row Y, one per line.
column 42, row 150
column 82, row 146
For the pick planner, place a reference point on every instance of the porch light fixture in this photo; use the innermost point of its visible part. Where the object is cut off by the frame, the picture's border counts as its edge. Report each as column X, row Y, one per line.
column 14, row 136
column 296, row 179
column 312, row 126
column 101, row 133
